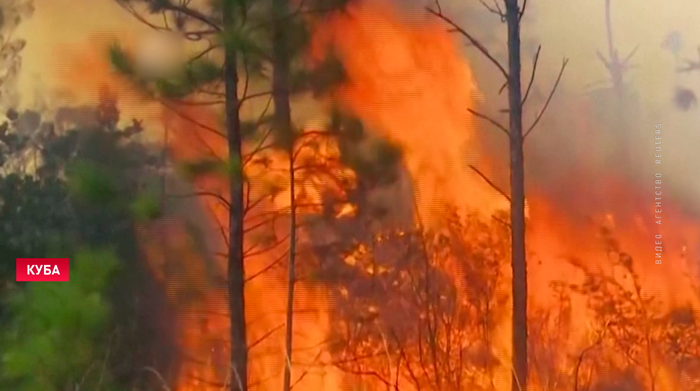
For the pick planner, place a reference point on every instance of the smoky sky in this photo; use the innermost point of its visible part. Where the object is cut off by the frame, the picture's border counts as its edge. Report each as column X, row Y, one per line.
column 574, row 29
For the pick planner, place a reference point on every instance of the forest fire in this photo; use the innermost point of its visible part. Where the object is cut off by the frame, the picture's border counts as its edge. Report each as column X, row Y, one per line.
column 424, row 305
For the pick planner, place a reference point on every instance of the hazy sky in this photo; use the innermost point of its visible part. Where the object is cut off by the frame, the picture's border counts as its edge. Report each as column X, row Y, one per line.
column 571, row 28
column 576, row 28
column 57, row 24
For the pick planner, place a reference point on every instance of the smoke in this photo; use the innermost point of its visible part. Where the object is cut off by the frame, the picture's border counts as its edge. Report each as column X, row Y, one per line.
column 576, row 30
column 572, row 156
column 159, row 54
column 60, row 26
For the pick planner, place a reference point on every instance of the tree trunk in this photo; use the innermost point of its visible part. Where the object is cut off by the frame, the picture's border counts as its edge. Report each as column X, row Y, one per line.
column 291, row 279
column 619, row 104
column 616, row 71
column 236, row 266
column 281, row 58
column 283, row 122
column 517, row 205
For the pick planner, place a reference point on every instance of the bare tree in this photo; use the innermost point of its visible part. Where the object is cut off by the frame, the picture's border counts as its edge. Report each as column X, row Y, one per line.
column 512, row 16
column 615, row 65
column 616, row 100
column 236, row 264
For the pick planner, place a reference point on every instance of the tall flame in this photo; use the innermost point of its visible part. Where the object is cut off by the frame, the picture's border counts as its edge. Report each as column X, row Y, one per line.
column 409, row 82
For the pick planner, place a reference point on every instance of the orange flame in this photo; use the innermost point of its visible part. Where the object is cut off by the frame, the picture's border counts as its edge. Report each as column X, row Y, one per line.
column 409, row 83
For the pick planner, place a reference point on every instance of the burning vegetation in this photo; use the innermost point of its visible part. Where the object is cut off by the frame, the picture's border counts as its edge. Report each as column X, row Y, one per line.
column 364, row 242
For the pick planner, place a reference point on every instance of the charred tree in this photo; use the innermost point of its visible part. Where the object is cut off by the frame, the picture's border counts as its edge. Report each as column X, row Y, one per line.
column 236, row 264
column 512, row 16
column 281, row 65
column 517, row 200
column 283, row 124
column 617, row 101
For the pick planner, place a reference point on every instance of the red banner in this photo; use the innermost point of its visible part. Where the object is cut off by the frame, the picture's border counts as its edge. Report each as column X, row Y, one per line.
column 42, row 269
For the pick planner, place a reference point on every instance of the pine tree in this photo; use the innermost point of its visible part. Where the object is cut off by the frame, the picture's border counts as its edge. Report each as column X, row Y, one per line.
column 253, row 35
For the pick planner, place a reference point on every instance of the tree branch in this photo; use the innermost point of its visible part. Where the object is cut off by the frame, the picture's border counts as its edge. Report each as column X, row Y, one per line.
column 268, row 267
column 491, row 120
column 128, row 7
column 549, row 99
column 522, row 10
column 218, row 197
column 493, row 185
column 186, row 117
column 256, row 95
column 163, row 383
column 532, row 75
column 183, row 9
column 471, row 39
column 264, row 336
column 194, row 14
column 500, row 220
column 198, row 35
column 496, row 11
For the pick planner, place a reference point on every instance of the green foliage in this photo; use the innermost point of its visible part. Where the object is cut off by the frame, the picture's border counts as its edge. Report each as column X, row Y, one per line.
column 146, row 207
column 243, row 42
column 217, row 6
column 194, row 169
column 202, row 71
column 173, row 89
column 58, row 329
column 233, row 168
column 229, row 168
column 251, row 130
column 33, row 212
column 157, row 5
column 83, row 196
column 192, row 76
column 92, row 183
column 250, row 47
column 298, row 35
column 374, row 159
column 330, row 72
column 375, row 162
column 120, row 60
column 329, row 4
